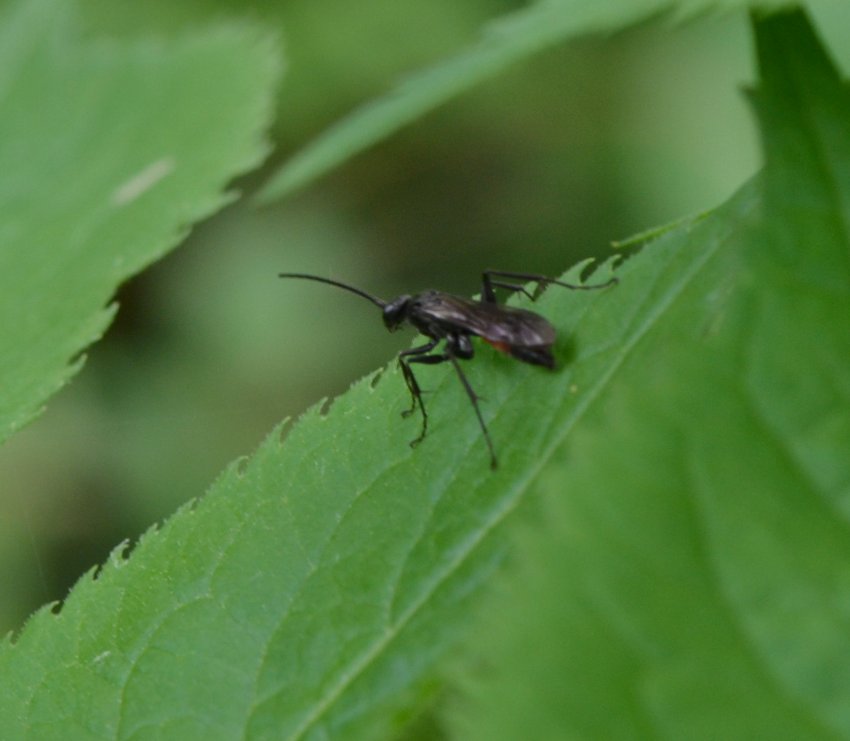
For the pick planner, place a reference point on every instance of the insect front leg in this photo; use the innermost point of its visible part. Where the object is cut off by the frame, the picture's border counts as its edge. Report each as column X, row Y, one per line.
column 459, row 346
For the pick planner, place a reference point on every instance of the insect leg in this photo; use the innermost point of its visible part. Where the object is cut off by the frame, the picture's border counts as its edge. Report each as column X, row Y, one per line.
column 473, row 397
column 488, row 284
column 417, row 394
column 488, row 294
column 410, row 380
column 541, row 280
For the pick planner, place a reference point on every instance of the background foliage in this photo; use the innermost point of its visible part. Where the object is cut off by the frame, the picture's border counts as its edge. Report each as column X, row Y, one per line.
column 535, row 169
column 571, row 144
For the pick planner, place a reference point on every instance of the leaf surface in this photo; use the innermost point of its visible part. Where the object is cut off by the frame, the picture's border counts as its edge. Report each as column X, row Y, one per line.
column 690, row 576
column 108, row 153
column 310, row 594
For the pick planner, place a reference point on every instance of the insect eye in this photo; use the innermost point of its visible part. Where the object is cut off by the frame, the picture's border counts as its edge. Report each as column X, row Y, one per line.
column 395, row 312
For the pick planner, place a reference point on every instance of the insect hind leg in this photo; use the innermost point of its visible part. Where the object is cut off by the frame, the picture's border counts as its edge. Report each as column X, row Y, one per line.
column 488, row 284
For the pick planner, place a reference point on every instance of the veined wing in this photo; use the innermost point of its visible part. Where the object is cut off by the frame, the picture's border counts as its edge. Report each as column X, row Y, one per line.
column 501, row 325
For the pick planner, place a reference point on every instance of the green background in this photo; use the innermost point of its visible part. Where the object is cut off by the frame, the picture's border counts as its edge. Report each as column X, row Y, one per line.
column 535, row 169
column 690, row 565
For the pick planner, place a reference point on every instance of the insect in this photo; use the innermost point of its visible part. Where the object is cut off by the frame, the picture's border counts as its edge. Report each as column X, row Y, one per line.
column 442, row 317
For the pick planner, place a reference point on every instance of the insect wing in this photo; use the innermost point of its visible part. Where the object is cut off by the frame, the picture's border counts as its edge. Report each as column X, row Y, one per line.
column 501, row 325
column 518, row 328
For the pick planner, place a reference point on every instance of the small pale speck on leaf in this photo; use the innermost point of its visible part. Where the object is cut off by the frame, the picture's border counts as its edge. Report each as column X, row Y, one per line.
column 143, row 181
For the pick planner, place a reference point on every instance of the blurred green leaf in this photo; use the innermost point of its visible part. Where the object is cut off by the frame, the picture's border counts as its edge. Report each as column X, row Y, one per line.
column 690, row 575
column 507, row 41
column 108, row 153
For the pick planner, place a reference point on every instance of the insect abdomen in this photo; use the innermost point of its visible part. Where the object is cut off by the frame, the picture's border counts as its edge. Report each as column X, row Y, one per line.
column 541, row 355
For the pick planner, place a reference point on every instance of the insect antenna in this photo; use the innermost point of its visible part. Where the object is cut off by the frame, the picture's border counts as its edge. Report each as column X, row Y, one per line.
column 306, row 276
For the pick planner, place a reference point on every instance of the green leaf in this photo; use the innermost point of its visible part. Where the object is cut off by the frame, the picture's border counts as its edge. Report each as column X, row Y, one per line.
column 315, row 583
column 507, row 41
column 689, row 575
column 312, row 591
column 108, row 153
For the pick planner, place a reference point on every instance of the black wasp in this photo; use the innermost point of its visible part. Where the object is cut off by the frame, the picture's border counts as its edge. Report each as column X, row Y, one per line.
column 453, row 320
